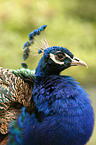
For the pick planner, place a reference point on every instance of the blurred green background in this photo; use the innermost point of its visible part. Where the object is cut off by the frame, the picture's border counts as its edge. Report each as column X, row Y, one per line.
column 71, row 24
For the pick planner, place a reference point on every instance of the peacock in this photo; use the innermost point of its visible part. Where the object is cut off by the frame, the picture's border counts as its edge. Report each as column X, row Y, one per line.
column 42, row 107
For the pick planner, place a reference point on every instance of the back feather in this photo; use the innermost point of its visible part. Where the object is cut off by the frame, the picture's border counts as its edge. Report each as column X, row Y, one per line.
column 15, row 92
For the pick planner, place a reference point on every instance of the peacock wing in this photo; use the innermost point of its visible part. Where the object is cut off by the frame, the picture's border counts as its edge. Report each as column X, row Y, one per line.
column 15, row 92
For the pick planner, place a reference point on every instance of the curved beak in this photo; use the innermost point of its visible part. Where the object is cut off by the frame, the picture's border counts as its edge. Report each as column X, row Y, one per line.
column 77, row 61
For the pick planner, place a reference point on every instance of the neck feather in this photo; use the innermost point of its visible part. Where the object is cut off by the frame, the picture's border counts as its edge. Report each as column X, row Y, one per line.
column 45, row 69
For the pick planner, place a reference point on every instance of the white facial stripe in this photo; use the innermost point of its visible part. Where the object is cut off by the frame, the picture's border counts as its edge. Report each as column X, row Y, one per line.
column 68, row 56
column 52, row 56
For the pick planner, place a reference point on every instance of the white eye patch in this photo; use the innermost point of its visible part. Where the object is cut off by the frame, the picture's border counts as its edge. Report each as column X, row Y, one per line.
column 52, row 56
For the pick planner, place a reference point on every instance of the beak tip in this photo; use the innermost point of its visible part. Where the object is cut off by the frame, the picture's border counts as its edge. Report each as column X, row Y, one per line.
column 87, row 66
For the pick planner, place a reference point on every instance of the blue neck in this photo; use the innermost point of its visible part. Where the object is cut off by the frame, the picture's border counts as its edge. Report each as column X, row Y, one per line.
column 45, row 68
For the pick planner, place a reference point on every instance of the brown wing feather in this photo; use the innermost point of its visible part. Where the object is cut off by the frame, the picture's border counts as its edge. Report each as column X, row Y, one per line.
column 15, row 92
column 4, row 142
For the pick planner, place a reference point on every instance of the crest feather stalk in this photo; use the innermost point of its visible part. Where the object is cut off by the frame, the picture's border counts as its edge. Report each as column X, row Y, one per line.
column 40, row 44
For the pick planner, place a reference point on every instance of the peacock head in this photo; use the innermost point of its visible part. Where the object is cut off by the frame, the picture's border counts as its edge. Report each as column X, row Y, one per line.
column 61, row 58
column 55, row 58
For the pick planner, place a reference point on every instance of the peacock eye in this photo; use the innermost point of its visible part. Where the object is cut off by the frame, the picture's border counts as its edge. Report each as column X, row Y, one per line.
column 60, row 56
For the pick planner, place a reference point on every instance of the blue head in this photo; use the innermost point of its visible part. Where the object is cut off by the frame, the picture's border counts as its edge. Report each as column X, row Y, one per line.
column 55, row 58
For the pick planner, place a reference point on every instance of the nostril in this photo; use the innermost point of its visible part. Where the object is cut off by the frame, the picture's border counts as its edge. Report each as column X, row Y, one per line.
column 76, row 59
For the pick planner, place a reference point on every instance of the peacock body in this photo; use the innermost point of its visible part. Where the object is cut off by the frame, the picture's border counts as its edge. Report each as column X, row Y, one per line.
column 57, row 110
